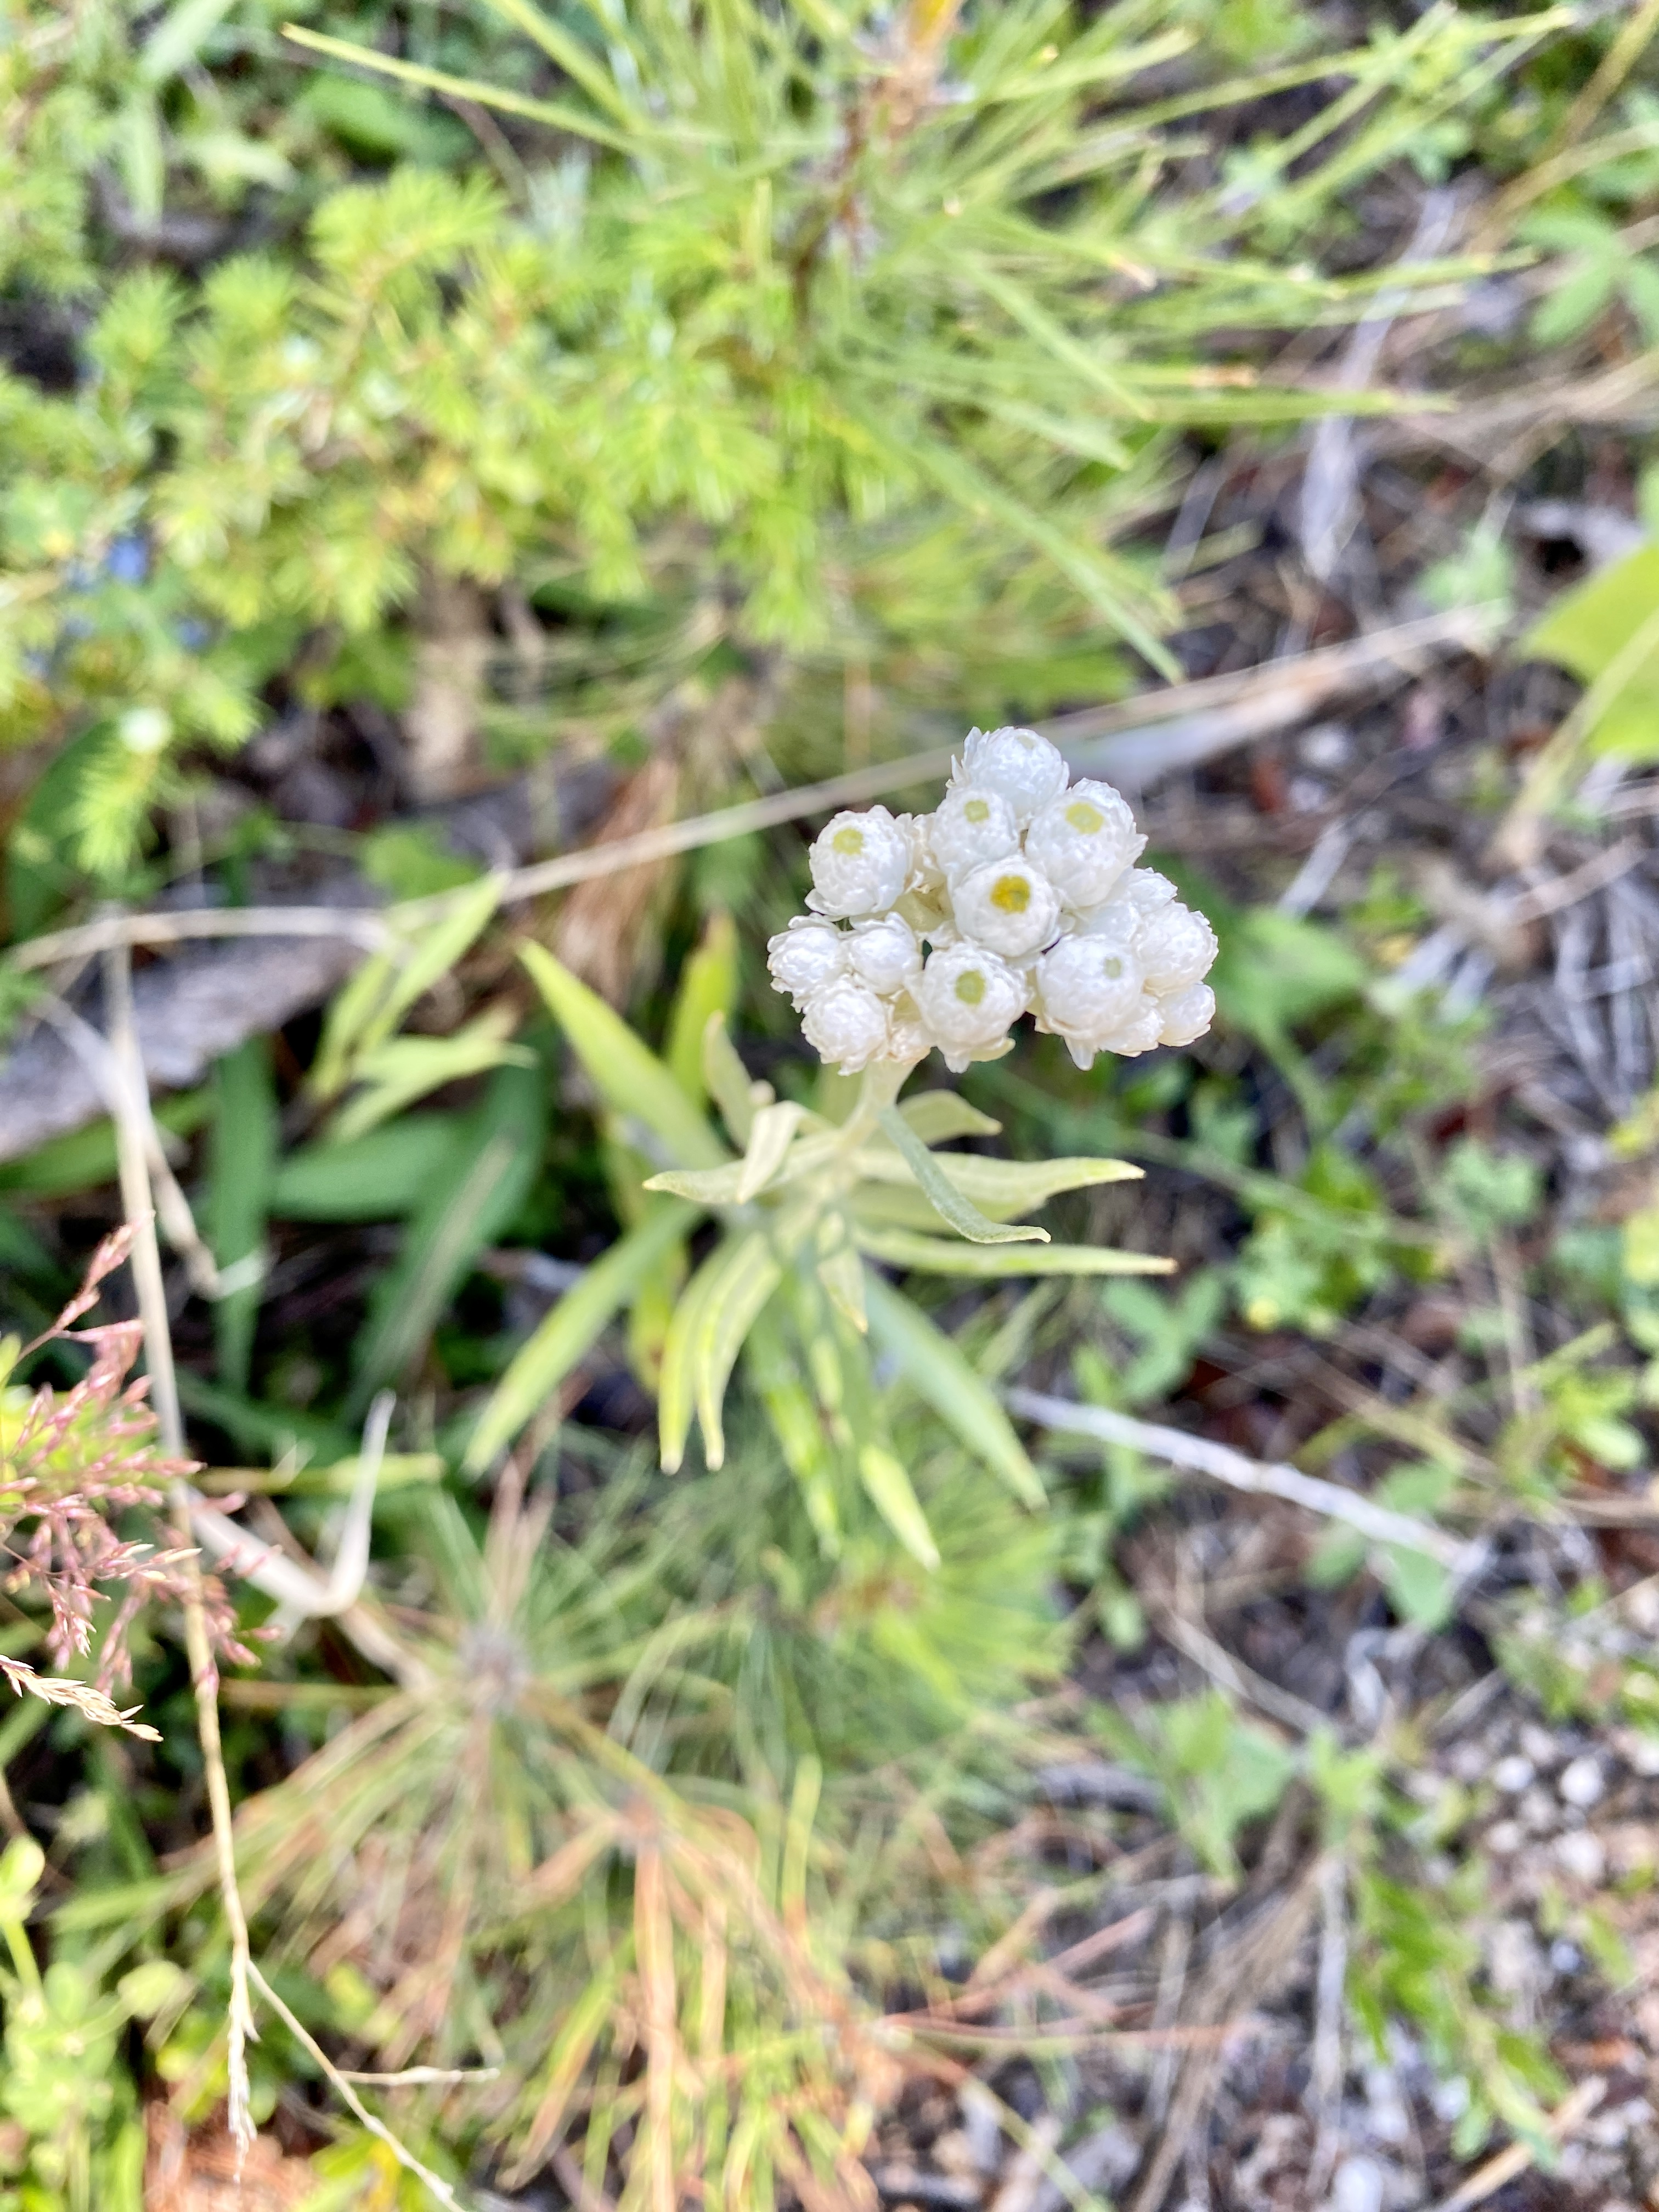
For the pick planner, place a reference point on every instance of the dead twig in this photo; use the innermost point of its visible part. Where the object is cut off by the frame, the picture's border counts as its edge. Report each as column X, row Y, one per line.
column 1507, row 2165
column 1199, row 1455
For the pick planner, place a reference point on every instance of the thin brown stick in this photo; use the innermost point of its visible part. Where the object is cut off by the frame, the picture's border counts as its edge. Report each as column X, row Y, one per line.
column 135, row 1200
column 1142, row 722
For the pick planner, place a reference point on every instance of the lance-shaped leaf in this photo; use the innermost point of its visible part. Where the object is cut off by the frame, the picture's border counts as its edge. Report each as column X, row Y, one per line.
column 708, row 987
column 573, row 1326
column 628, row 1074
column 716, row 1313
column 888, row 1482
column 368, row 1008
column 727, row 1080
column 938, row 1371
column 943, row 1196
column 1001, row 1187
column 936, row 1117
column 770, row 1140
column 938, row 1255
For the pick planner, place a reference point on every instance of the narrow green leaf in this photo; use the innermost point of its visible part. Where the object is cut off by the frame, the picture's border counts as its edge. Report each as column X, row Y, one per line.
column 769, row 1141
column 938, row 1255
column 936, row 1117
column 728, row 1312
column 242, row 1160
column 443, row 1239
column 557, row 114
column 795, row 1423
column 708, row 987
column 178, row 37
column 1006, row 1187
column 937, row 1369
column 572, row 1326
column 578, row 62
column 888, row 1482
column 625, row 1071
column 943, row 1196
column 676, row 1384
column 843, row 1275
column 727, row 1079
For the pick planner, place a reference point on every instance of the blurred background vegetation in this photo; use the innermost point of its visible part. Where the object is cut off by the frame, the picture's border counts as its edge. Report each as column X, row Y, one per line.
column 437, row 436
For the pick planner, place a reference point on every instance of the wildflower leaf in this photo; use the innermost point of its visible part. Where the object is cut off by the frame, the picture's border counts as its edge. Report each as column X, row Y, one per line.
column 773, row 1133
column 1006, row 1186
column 633, row 1081
column 936, row 1117
column 939, row 1372
column 540, row 1365
column 938, row 1255
column 943, row 1196
column 889, row 1484
column 730, row 1308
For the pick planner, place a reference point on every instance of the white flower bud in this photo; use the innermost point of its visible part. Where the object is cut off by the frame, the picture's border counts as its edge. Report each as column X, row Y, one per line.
column 1147, row 891
column 805, row 956
column 846, row 1023
column 907, row 1033
column 1138, row 1033
column 927, row 875
column 1175, row 946
column 885, row 954
column 1084, row 841
column 972, row 826
column 968, row 999
column 860, row 864
column 1087, row 989
column 1186, row 1014
column 1024, row 768
column 1010, row 906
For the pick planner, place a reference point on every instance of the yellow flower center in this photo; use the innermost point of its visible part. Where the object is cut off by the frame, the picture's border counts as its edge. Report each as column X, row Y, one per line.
column 1081, row 815
column 848, row 840
column 1010, row 894
column 970, row 987
column 976, row 809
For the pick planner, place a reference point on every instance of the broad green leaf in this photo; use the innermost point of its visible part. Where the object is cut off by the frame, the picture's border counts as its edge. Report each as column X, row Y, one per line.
column 938, row 1255
column 626, row 1073
column 708, row 987
column 936, row 1117
column 943, row 1196
column 730, row 1307
column 1606, row 630
column 572, row 1326
column 888, row 1482
column 939, row 1373
column 372, row 1178
column 242, row 1165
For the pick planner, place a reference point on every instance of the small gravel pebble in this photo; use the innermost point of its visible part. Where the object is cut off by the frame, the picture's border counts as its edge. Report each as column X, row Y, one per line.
column 1505, row 1838
column 1581, row 1783
column 1580, row 1857
column 1540, row 1746
column 1513, row 1774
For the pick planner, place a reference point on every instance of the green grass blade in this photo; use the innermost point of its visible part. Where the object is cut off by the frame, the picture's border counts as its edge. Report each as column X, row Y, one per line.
column 242, row 1163
column 938, row 1255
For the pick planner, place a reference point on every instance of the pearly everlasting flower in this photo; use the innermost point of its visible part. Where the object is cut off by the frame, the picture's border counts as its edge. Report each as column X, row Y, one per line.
column 860, row 864
column 1084, row 841
column 1016, row 893
column 885, row 954
column 804, row 957
column 846, row 1023
column 1024, row 768
column 1010, row 907
column 1186, row 1014
column 1177, row 947
column 971, row 826
column 1089, row 989
column 968, row 999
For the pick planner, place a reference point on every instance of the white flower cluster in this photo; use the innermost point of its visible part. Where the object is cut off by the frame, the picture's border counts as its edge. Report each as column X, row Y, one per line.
column 1017, row 894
